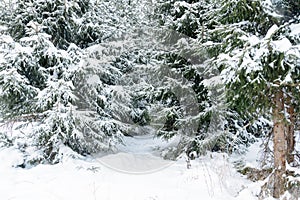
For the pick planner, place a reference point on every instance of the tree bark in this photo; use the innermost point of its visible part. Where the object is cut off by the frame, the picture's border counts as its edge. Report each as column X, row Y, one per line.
column 290, row 136
column 279, row 144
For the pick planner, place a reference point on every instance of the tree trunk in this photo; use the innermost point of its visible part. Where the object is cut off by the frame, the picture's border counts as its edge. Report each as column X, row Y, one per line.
column 279, row 144
column 290, row 136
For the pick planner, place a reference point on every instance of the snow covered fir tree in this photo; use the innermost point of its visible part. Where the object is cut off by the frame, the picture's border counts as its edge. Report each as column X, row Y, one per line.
column 82, row 78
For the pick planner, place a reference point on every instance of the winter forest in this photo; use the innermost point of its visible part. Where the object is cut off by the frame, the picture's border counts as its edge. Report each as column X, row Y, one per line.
column 150, row 99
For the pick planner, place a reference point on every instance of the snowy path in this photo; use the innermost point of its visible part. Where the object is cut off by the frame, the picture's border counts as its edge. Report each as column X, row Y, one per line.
column 139, row 155
column 211, row 177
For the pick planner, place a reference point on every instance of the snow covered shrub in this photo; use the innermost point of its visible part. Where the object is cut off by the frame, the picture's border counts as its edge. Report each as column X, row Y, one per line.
column 46, row 93
column 5, row 141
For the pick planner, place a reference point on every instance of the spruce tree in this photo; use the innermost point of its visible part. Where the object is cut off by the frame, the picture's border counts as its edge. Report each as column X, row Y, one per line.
column 198, row 39
column 48, row 79
column 255, row 48
column 259, row 59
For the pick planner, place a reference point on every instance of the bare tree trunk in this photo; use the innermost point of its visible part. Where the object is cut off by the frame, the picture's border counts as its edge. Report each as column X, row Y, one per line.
column 279, row 144
column 290, row 136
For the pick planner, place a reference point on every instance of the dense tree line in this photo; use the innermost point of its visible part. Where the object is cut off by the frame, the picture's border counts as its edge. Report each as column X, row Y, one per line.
column 83, row 74
column 254, row 45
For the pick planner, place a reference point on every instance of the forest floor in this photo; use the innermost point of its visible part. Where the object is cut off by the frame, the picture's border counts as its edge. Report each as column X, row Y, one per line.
column 135, row 172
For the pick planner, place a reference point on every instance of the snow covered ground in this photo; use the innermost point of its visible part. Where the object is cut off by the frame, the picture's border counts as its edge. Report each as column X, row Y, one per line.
column 105, row 177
